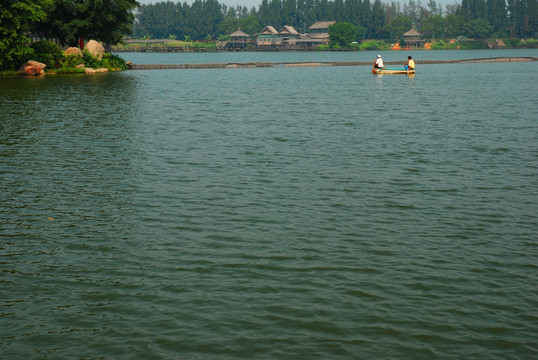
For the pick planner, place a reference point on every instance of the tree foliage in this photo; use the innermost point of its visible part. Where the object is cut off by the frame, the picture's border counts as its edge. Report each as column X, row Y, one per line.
column 103, row 20
column 342, row 34
column 434, row 26
column 478, row 28
column 17, row 18
column 375, row 19
column 398, row 27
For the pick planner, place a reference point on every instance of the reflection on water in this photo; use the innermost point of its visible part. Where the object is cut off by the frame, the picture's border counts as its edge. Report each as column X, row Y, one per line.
column 276, row 213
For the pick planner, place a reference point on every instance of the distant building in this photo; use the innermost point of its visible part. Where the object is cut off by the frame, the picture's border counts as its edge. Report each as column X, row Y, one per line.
column 239, row 40
column 288, row 34
column 318, row 34
column 268, row 38
column 320, row 27
column 289, row 39
column 413, row 38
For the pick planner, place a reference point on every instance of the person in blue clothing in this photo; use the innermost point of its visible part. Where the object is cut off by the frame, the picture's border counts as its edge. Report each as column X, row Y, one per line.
column 410, row 65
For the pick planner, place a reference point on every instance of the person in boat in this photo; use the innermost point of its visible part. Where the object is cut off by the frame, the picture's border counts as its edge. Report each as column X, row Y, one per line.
column 378, row 63
column 410, row 65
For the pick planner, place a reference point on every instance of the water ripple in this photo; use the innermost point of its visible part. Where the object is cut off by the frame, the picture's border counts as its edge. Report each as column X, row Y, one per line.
column 183, row 214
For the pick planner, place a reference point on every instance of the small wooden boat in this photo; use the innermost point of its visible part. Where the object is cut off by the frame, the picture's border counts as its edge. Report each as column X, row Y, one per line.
column 392, row 71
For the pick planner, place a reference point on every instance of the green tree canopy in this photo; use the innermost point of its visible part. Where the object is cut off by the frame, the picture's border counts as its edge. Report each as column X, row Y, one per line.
column 479, row 28
column 342, row 34
column 434, row 26
column 104, row 20
column 17, row 18
column 455, row 25
column 398, row 27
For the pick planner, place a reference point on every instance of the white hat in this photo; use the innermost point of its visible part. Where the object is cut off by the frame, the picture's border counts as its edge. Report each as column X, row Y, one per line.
column 378, row 55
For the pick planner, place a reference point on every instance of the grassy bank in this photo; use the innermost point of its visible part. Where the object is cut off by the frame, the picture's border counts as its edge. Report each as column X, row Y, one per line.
column 164, row 46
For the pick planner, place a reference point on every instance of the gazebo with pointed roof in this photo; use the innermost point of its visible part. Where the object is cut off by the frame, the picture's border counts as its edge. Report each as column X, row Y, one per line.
column 238, row 40
column 239, row 34
column 413, row 38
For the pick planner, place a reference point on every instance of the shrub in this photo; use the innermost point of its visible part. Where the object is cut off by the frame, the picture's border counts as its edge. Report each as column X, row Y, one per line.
column 113, row 61
column 90, row 61
column 21, row 56
column 71, row 61
column 374, row 45
column 529, row 43
column 369, row 45
column 439, row 45
column 48, row 53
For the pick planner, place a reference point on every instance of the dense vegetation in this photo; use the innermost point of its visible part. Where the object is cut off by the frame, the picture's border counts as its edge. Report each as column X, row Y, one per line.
column 58, row 62
column 64, row 20
column 208, row 19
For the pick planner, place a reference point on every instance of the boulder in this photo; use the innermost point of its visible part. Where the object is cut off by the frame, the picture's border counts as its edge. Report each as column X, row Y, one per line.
column 95, row 49
column 32, row 68
column 93, row 71
column 73, row 51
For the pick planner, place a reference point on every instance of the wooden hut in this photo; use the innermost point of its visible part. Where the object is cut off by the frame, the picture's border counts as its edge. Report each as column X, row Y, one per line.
column 413, row 38
column 268, row 38
column 320, row 27
column 238, row 40
column 288, row 34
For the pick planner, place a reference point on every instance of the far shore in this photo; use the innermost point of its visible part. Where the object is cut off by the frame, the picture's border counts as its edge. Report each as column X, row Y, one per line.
column 317, row 64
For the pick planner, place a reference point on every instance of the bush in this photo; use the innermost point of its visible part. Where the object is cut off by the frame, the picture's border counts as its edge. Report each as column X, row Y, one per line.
column 48, row 53
column 21, row 56
column 109, row 61
column 71, row 61
column 529, row 43
column 374, row 45
column 90, row 61
column 439, row 45
column 369, row 45
column 113, row 61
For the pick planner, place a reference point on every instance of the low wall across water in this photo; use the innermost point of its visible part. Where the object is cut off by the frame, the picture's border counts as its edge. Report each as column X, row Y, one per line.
column 314, row 64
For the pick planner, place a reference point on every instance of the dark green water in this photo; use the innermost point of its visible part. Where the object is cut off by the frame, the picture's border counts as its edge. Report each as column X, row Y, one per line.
column 278, row 213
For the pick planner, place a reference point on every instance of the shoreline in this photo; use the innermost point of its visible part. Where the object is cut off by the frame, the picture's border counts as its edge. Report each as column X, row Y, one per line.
column 318, row 64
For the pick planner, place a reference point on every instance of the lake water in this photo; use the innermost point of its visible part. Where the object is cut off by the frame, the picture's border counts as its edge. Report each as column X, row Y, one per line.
column 271, row 213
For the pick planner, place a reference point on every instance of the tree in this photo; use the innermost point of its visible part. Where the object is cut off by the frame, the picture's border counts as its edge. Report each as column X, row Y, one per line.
column 435, row 9
column 496, row 11
column 250, row 24
column 523, row 17
column 18, row 17
column 479, row 28
column 342, row 34
column 473, row 9
column 455, row 25
column 398, row 27
column 105, row 20
column 229, row 25
column 434, row 26
column 377, row 22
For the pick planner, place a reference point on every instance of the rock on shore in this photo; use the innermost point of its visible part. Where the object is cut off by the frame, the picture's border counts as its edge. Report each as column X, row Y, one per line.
column 32, row 68
column 95, row 49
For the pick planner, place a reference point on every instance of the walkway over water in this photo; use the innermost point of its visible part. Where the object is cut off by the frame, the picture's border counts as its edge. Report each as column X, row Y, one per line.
column 316, row 64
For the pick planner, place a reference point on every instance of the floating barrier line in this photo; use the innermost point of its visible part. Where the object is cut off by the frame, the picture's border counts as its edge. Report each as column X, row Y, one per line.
column 317, row 64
